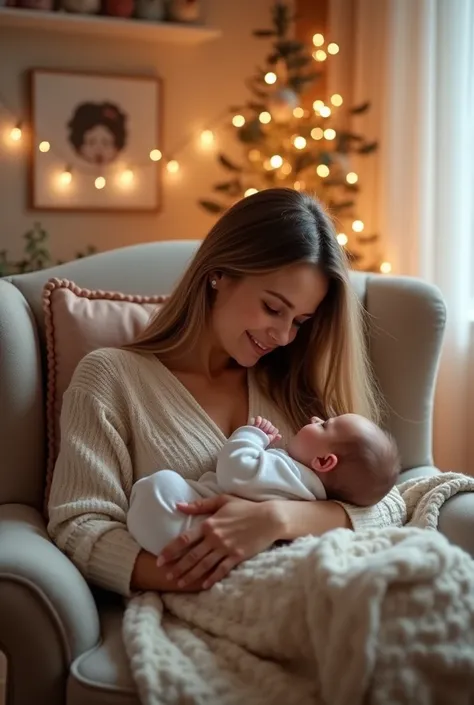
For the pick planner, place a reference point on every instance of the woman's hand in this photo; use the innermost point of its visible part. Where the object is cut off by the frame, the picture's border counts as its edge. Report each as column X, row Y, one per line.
column 237, row 530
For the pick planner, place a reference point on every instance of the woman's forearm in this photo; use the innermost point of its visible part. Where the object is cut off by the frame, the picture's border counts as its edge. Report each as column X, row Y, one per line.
column 148, row 576
column 296, row 519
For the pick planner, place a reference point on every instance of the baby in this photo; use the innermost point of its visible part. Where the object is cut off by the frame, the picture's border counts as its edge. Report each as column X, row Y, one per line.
column 346, row 458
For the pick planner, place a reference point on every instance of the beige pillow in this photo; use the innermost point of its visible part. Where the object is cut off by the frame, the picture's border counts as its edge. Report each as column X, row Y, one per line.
column 78, row 321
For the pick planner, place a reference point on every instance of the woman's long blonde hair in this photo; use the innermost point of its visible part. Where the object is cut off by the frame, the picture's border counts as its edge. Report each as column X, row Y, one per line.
column 325, row 370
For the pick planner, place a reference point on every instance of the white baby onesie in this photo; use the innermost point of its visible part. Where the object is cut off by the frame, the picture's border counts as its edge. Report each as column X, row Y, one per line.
column 244, row 468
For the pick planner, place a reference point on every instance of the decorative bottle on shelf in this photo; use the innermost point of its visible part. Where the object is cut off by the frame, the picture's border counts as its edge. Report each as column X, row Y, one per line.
column 153, row 10
column 184, row 10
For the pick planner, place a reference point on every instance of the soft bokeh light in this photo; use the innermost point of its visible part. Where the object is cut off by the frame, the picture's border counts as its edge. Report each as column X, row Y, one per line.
column 329, row 134
column 336, row 100
column 357, row 226
column 298, row 112
column 265, row 117
column 320, row 55
column 299, row 142
column 155, row 155
column 270, row 78
column 44, row 147
column 99, row 183
column 238, row 121
column 325, row 111
column 385, row 267
column 126, row 177
column 172, row 166
column 317, row 133
column 251, row 191
column 276, row 161
column 352, row 177
column 318, row 40
column 322, row 170
column 342, row 239
column 207, row 138
column 333, row 48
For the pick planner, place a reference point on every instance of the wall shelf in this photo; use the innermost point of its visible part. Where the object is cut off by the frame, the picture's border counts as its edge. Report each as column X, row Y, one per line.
column 106, row 27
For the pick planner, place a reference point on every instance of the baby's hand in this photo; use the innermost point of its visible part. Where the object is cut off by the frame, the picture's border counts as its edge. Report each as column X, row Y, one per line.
column 267, row 427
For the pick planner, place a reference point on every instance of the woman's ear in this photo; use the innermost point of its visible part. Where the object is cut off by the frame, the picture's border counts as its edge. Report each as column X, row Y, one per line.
column 324, row 464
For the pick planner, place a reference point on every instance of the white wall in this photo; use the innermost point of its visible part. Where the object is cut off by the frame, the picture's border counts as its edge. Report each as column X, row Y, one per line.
column 199, row 82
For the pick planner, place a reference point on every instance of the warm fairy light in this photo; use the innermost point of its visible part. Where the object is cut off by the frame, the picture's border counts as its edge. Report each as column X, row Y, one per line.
column 270, row 78
column 65, row 178
column 286, row 169
column 357, row 226
column 155, row 155
column 299, row 185
column 298, row 112
column 317, row 105
column 329, row 134
column 276, row 161
column 336, row 100
column 172, row 166
column 322, row 170
column 254, row 155
column 318, row 40
column 267, row 165
column 333, row 48
column 238, row 121
column 15, row 134
column 320, row 55
column 342, row 239
column 299, row 142
column 352, row 177
column 126, row 177
column 207, row 138
column 265, row 117
column 385, row 267
column 251, row 191
column 44, row 147
column 99, row 183
column 317, row 133
column 325, row 111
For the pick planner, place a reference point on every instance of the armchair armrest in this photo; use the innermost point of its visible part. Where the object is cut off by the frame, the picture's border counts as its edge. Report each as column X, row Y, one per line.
column 47, row 612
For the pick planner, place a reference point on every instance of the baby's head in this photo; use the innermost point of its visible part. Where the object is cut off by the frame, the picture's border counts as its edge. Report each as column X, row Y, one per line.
column 355, row 460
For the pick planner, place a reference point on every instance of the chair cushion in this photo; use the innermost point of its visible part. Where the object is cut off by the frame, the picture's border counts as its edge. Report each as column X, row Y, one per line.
column 101, row 676
column 78, row 321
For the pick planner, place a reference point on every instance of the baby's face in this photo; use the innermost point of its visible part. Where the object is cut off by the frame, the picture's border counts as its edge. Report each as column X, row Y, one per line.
column 319, row 438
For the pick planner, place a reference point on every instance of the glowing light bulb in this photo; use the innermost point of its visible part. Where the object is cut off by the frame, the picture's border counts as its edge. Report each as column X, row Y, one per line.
column 320, row 55
column 99, row 183
column 342, row 239
column 352, row 177
column 286, row 169
column 207, row 138
column 251, row 191
column 65, row 178
column 317, row 133
column 299, row 142
column 155, row 155
column 318, row 40
column 270, row 78
column 329, row 134
column 298, row 112
column 336, row 100
column 238, row 121
column 322, row 170
column 265, row 117
column 385, row 267
column 276, row 161
column 333, row 48
column 16, row 134
column 317, row 105
column 325, row 111
column 126, row 177
column 357, row 226
column 44, row 147
column 172, row 166
column 254, row 155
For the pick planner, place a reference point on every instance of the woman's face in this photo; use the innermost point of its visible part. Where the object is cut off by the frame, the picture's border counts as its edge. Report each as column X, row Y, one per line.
column 254, row 315
column 98, row 146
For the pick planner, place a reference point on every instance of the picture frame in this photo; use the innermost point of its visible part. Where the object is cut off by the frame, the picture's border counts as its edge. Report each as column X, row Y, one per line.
column 95, row 142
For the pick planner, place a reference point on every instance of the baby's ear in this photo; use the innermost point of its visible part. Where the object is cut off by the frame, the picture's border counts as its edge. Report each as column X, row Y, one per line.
column 324, row 464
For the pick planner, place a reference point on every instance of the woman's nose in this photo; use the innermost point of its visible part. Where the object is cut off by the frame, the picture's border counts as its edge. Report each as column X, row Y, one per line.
column 282, row 334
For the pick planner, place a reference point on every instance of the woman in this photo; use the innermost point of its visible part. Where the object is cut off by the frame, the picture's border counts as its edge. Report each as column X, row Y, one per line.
column 263, row 322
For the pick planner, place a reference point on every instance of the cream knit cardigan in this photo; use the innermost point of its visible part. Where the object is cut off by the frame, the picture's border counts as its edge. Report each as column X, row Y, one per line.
column 124, row 416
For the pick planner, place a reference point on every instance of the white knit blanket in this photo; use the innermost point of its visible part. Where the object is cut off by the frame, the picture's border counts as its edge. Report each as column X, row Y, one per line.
column 379, row 617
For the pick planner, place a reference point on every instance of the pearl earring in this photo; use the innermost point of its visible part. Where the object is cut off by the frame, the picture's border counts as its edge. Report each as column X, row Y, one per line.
column 213, row 283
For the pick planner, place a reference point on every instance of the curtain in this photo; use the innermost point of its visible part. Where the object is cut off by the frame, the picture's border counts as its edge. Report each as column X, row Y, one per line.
column 414, row 60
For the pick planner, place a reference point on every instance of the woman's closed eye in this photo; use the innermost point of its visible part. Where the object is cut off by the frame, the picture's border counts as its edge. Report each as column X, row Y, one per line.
column 277, row 312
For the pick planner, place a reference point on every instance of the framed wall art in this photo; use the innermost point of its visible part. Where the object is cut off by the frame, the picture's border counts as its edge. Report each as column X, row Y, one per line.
column 95, row 141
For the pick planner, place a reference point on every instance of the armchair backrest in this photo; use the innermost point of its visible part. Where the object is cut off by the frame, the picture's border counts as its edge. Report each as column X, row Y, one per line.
column 406, row 324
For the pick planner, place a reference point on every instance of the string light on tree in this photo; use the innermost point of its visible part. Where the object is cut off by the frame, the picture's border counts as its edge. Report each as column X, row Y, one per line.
column 270, row 78
column 44, row 147
column 318, row 40
column 317, row 133
column 299, row 142
column 336, row 100
column 298, row 113
column 322, row 170
column 352, row 177
column 265, row 117
column 276, row 161
column 325, row 111
column 155, row 155
column 320, row 55
column 333, row 48
column 330, row 134
column 238, row 121
column 100, row 183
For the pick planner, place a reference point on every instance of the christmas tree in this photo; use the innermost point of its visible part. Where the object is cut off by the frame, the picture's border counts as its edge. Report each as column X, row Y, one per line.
column 286, row 145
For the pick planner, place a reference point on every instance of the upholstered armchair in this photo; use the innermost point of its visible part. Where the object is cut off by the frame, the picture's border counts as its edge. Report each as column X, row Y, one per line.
column 61, row 637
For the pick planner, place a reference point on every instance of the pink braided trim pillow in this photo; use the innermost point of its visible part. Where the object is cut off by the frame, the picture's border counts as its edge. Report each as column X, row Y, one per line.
column 78, row 321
